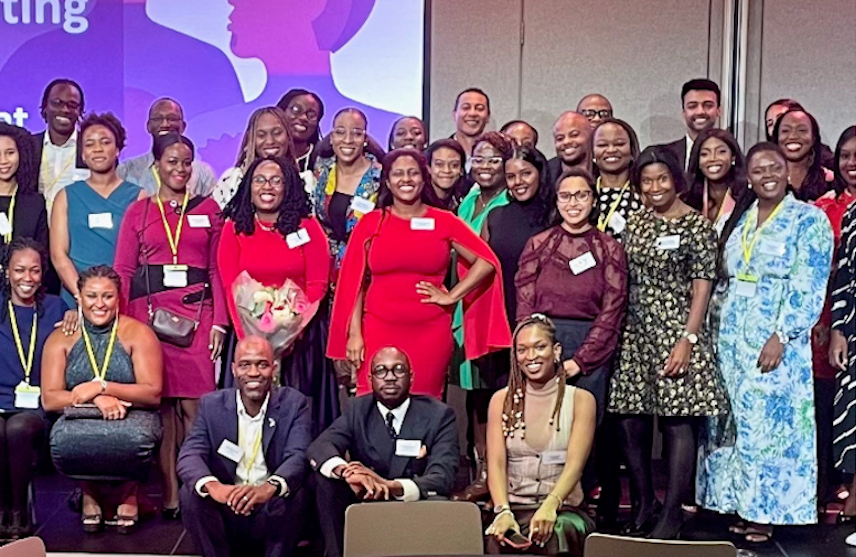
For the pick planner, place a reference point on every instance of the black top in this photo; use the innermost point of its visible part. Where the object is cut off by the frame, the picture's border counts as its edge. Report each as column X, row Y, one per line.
column 31, row 217
column 338, row 214
column 509, row 228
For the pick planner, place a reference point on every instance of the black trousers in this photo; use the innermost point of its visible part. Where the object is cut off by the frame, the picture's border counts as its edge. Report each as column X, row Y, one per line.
column 332, row 498
column 273, row 530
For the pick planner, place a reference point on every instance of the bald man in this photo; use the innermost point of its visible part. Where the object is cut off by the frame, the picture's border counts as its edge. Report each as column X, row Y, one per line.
column 166, row 116
column 572, row 139
column 244, row 463
column 596, row 108
column 401, row 446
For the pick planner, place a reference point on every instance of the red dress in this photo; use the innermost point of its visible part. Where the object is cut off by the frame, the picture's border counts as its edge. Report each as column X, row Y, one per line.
column 188, row 372
column 397, row 258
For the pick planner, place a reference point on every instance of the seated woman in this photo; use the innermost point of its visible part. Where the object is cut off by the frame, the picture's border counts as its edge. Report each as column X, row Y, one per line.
column 536, row 451
column 27, row 317
column 109, row 393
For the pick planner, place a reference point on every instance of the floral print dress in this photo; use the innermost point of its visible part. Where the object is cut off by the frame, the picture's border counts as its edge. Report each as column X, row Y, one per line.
column 761, row 462
column 664, row 256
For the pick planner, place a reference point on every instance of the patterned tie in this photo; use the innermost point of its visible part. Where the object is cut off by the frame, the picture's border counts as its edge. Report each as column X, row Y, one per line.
column 389, row 428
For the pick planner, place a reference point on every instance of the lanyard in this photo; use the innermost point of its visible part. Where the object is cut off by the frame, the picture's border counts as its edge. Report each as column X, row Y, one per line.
column 100, row 375
column 173, row 240
column 257, row 444
column 28, row 363
column 56, row 178
column 748, row 245
column 603, row 221
column 8, row 236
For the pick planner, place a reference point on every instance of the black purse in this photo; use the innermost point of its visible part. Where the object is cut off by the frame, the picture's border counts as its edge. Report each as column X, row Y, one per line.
column 82, row 412
column 169, row 326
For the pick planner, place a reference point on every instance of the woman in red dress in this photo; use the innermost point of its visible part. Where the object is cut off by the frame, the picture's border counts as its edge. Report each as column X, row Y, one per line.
column 170, row 240
column 270, row 233
column 390, row 290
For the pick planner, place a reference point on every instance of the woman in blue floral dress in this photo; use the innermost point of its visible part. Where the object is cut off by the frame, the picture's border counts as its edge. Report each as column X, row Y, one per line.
column 761, row 462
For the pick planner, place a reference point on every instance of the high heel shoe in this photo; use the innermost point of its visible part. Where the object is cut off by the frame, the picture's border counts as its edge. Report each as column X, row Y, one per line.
column 92, row 523
column 19, row 527
column 130, row 523
column 845, row 518
column 171, row 514
column 635, row 530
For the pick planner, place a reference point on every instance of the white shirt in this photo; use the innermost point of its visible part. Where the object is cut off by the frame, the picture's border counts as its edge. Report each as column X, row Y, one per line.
column 690, row 144
column 57, row 169
column 409, row 487
column 249, row 430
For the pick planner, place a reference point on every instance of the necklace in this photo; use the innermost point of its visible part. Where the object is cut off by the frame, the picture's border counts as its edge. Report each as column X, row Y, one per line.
column 265, row 227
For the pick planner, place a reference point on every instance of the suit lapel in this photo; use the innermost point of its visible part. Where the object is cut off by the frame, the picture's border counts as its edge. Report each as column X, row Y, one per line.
column 230, row 421
column 379, row 446
column 269, row 425
column 413, row 428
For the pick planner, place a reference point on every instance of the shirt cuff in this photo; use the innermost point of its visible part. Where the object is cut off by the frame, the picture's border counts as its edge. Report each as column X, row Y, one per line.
column 327, row 468
column 201, row 483
column 283, row 485
column 411, row 490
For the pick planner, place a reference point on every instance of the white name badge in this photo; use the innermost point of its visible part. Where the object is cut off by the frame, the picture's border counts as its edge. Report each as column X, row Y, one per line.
column 668, row 242
column 231, row 451
column 746, row 288
column 362, row 205
column 407, row 447
column 554, row 457
column 582, row 263
column 101, row 220
column 198, row 221
column 175, row 276
column 617, row 222
column 297, row 239
column 309, row 181
column 772, row 247
column 27, row 396
column 5, row 225
column 422, row 223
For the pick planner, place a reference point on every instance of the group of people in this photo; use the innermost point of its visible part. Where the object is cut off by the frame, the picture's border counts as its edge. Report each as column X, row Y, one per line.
column 607, row 286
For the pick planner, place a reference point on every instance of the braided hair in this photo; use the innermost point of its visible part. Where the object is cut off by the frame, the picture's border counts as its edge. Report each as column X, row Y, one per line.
column 21, row 244
column 515, row 399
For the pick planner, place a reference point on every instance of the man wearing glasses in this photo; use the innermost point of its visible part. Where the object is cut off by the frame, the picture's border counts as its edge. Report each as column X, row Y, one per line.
column 402, row 447
column 596, row 108
column 166, row 116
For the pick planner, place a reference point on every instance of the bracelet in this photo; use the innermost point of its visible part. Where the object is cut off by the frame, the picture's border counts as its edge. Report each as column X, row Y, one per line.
column 502, row 512
column 557, row 498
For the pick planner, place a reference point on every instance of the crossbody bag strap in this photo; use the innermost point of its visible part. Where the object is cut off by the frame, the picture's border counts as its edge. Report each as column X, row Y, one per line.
column 146, row 259
column 201, row 304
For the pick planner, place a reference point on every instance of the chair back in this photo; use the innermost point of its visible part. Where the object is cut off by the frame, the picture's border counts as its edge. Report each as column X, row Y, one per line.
column 28, row 547
column 396, row 529
column 603, row 545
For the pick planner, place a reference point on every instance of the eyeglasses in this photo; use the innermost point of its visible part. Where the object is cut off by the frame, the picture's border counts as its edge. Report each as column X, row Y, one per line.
column 59, row 104
column 590, row 114
column 298, row 111
column 581, row 196
column 481, row 161
column 398, row 370
column 169, row 119
column 356, row 133
column 275, row 181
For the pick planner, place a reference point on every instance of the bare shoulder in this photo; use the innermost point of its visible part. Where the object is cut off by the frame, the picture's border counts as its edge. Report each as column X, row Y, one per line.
column 584, row 400
column 58, row 340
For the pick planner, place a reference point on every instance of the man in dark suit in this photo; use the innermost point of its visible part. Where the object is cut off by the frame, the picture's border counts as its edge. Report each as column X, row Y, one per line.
column 701, row 106
column 572, row 139
column 401, row 446
column 244, row 462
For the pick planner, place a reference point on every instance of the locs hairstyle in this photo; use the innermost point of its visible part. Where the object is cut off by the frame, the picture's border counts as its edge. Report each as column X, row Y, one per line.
column 61, row 81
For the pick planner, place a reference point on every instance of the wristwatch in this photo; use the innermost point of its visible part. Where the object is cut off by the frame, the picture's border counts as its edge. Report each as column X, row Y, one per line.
column 692, row 337
column 500, row 508
column 783, row 338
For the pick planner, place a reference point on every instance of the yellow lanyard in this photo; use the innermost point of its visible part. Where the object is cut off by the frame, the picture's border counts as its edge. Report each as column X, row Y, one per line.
column 8, row 236
column 49, row 187
column 100, row 375
column 257, row 445
column 603, row 221
column 28, row 363
column 748, row 245
column 173, row 240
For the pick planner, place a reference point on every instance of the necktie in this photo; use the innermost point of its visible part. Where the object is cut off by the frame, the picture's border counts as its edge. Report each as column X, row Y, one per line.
column 389, row 428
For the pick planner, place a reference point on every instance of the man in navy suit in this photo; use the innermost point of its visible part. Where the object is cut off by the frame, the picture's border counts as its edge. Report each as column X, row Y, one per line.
column 244, row 463
column 401, row 446
column 701, row 106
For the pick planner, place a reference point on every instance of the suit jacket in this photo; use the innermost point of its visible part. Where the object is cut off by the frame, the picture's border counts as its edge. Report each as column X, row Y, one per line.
column 286, row 433
column 679, row 149
column 39, row 144
column 361, row 432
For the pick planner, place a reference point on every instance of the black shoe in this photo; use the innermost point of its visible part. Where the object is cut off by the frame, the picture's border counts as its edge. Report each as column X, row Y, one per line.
column 637, row 529
column 667, row 529
column 171, row 514
column 4, row 525
column 845, row 518
column 20, row 526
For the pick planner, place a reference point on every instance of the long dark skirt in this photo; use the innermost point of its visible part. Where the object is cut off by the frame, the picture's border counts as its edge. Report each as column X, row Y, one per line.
column 571, row 334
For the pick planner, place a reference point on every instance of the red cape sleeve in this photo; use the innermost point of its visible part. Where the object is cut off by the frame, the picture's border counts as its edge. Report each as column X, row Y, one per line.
column 485, row 321
column 318, row 263
column 228, row 258
column 348, row 285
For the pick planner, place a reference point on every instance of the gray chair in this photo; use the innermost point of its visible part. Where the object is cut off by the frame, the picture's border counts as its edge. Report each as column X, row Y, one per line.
column 602, row 545
column 28, row 547
column 387, row 529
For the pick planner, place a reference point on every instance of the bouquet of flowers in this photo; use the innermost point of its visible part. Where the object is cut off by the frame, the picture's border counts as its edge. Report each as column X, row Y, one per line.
column 277, row 314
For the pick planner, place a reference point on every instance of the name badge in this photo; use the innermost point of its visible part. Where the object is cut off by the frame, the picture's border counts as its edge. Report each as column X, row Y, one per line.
column 175, row 276
column 5, row 225
column 297, row 239
column 772, row 247
column 422, row 223
column 554, row 457
column 27, row 396
column 582, row 263
column 746, row 288
column 617, row 222
column 407, row 447
column 231, row 451
column 668, row 242
column 309, row 181
column 362, row 205
column 198, row 221
column 101, row 220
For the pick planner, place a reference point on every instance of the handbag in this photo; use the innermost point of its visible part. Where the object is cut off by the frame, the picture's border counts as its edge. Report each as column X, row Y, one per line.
column 82, row 412
column 169, row 326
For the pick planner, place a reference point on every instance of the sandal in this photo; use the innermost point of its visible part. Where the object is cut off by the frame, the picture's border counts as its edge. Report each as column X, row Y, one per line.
column 92, row 523
column 125, row 524
column 738, row 528
column 758, row 535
